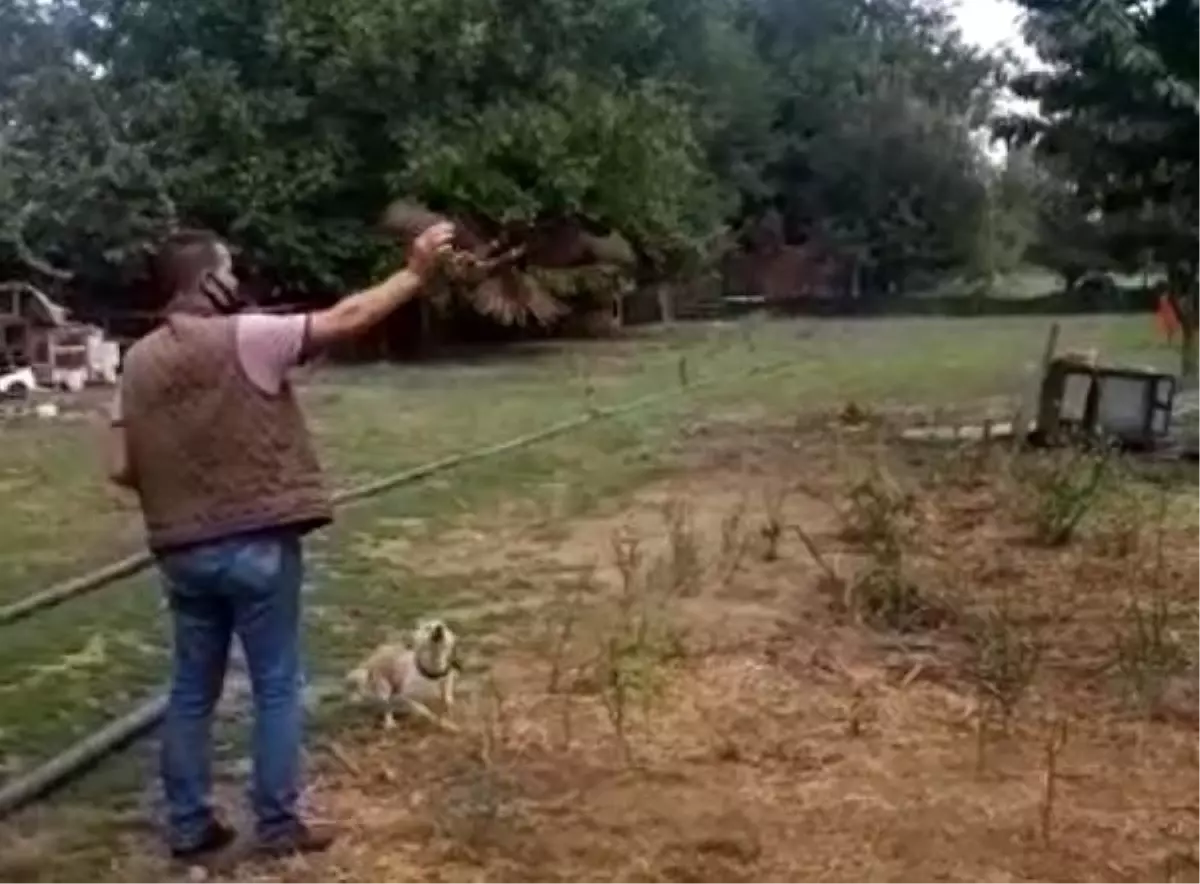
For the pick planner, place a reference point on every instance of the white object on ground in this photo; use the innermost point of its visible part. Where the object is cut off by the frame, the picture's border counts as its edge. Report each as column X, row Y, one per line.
column 21, row 382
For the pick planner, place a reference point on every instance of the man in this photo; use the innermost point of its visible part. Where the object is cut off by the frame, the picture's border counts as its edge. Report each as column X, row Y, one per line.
column 207, row 431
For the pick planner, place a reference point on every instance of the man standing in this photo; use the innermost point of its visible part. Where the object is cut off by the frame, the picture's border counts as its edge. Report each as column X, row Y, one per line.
column 206, row 430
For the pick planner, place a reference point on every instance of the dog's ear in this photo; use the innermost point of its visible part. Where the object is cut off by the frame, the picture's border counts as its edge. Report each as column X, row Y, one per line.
column 419, row 634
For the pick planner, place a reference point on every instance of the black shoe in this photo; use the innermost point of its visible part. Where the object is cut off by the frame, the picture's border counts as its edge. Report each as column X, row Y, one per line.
column 216, row 838
column 301, row 839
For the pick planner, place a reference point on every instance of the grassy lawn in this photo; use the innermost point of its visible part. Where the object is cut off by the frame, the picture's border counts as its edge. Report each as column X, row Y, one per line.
column 70, row 668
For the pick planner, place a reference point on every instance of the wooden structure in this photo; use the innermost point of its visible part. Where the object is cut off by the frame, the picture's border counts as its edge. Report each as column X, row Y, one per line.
column 781, row 273
column 1076, row 400
column 36, row 332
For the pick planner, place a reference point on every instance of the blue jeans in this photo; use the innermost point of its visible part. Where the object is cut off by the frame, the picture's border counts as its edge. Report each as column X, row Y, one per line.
column 249, row 586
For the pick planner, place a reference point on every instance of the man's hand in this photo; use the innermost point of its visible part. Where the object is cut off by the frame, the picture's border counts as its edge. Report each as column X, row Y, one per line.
column 429, row 248
column 110, row 428
column 359, row 312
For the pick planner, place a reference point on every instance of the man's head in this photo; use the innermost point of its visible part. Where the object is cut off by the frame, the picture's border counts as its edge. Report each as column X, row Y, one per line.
column 193, row 273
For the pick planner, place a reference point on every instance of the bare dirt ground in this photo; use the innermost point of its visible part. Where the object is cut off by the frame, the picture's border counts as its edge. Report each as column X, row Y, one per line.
column 803, row 657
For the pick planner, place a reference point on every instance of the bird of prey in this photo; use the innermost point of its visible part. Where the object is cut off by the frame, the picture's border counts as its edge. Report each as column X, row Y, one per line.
column 489, row 261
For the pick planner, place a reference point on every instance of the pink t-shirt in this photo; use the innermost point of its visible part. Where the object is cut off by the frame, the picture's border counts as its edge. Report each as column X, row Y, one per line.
column 268, row 346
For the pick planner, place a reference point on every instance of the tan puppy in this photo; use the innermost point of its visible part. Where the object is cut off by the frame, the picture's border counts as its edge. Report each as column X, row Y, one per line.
column 411, row 675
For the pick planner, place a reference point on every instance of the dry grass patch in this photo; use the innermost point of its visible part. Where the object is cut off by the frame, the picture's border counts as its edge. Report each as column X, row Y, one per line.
column 707, row 685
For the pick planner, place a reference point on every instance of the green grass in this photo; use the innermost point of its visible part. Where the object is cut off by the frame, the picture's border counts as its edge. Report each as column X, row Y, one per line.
column 70, row 668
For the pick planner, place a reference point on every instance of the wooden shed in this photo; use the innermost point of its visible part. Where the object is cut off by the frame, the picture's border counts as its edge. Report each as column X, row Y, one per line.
column 36, row 332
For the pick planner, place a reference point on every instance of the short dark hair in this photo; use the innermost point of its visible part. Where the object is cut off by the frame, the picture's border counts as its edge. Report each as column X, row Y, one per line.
column 182, row 259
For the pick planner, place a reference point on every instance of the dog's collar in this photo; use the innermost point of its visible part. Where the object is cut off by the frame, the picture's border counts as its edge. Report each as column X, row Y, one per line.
column 438, row 674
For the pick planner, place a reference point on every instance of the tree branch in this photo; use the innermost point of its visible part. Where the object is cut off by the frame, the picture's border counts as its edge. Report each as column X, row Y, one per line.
column 25, row 254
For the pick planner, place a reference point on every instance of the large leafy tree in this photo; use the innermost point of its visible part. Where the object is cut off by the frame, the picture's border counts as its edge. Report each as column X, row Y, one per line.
column 875, row 153
column 289, row 124
column 76, row 186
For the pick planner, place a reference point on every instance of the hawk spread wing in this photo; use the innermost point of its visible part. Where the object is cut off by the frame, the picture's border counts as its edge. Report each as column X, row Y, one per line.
column 489, row 261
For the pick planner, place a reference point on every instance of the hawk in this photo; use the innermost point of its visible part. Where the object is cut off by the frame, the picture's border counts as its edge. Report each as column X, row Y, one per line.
column 490, row 262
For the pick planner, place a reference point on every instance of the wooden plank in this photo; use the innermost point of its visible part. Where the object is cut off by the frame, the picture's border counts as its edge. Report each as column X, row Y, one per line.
column 1028, row 403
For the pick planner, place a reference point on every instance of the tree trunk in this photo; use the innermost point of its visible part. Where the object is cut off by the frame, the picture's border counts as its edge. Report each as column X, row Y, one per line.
column 1187, row 351
column 666, row 303
column 1182, row 294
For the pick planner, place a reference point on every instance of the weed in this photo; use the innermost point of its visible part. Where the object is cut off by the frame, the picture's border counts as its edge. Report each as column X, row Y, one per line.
column 493, row 735
column 1005, row 658
column 630, row 639
column 627, row 556
column 1123, row 517
column 883, row 596
column 640, row 636
column 1065, row 486
column 1056, row 741
column 1121, row 535
column 566, row 619
column 1148, row 651
column 830, row 576
column 563, row 623
column 879, row 515
column 733, row 545
column 773, row 527
column 479, row 796
column 856, row 712
column 970, row 465
column 684, row 566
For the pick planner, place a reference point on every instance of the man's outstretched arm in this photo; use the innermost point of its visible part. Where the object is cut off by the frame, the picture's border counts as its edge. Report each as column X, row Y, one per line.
column 269, row 346
column 354, row 315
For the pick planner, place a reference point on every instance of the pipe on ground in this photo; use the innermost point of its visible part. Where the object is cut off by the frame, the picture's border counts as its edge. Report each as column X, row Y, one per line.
column 117, row 734
column 68, row 589
column 82, row 756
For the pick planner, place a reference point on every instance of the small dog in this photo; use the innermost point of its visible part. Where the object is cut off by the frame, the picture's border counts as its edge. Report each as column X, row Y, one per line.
column 411, row 675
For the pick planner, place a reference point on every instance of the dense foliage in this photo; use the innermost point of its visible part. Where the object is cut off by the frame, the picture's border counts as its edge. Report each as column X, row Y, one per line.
column 289, row 123
column 1119, row 123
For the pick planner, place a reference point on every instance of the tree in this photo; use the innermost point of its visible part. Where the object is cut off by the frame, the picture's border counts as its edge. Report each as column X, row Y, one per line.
column 290, row 124
column 1071, row 239
column 1119, row 114
column 876, row 155
column 77, row 189
column 1008, row 220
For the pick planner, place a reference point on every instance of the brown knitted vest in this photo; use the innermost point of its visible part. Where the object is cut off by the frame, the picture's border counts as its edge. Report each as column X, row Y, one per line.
column 211, row 454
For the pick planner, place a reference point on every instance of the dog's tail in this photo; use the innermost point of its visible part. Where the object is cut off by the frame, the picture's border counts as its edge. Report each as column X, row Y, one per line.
column 356, row 681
